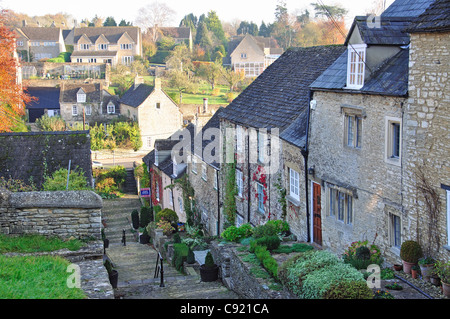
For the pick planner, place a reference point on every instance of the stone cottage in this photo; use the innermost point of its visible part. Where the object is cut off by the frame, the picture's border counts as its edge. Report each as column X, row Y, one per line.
column 357, row 137
column 156, row 113
column 252, row 124
column 87, row 103
column 426, row 136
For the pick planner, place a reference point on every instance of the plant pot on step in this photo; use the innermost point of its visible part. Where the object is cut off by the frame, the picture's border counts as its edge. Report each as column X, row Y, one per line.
column 144, row 239
column 435, row 280
column 398, row 267
column 415, row 271
column 426, row 271
column 208, row 273
column 114, row 278
column 407, row 266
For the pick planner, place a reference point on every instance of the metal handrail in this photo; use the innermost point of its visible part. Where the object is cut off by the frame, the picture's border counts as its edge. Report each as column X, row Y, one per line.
column 159, row 269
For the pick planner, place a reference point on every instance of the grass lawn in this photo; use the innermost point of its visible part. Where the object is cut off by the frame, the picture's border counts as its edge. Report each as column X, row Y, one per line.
column 33, row 277
column 36, row 277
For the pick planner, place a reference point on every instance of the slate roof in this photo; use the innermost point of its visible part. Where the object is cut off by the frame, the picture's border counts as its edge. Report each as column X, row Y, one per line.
column 406, row 8
column 176, row 33
column 281, row 93
column 391, row 78
column 112, row 34
column 435, row 19
column 41, row 33
column 47, row 98
column 94, row 53
column 392, row 31
column 135, row 97
column 69, row 92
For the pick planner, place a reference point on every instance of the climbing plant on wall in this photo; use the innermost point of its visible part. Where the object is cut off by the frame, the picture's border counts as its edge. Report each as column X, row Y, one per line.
column 229, row 205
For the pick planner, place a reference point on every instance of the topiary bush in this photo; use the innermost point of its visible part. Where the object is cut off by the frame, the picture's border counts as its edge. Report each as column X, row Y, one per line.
column 146, row 216
column 135, row 218
column 209, row 261
column 410, row 251
column 190, row 259
column 167, row 215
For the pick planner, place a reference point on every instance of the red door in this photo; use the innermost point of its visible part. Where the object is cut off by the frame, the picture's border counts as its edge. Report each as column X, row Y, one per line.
column 317, row 216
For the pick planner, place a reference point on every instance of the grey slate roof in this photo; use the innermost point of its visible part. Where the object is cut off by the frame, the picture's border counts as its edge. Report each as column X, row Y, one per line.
column 391, row 78
column 435, row 19
column 392, row 31
column 47, row 98
column 135, row 97
column 281, row 93
column 112, row 34
column 406, row 8
column 41, row 33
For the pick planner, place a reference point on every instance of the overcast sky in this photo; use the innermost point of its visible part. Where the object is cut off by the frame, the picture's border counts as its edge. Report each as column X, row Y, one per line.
column 227, row 10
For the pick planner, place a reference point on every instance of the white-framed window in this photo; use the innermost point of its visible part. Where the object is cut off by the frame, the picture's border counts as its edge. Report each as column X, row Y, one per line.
column 88, row 109
column 250, row 69
column 20, row 43
column 157, row 191
column 79, row 60
column 126, row 46
column 149, row 141
column 92, row 60
column 395, row 237
column 239, row 182
column 239, row 139
column 102, row 46
column 243, row 55
column 85, row 47
column 126, row 60
column 111, row 108
column 35, row 43
column 194, row 164
column 294, row 184
column 353, row 130
column 156, row 157
column 239, row 220
column 393, row 140
column 260, row 146
column 356, row 66
column 81, row 97
column 341, row 206
column 74, row 110
column 216, row 176
column 260, row 192
column 180, row 204
column 204, row 172
column 49, row 44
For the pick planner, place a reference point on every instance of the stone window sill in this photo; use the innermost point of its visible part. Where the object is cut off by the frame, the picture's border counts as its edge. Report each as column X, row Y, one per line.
column 293, row 200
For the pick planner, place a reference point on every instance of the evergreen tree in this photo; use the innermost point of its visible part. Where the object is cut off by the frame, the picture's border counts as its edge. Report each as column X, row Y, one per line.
column 110, row 22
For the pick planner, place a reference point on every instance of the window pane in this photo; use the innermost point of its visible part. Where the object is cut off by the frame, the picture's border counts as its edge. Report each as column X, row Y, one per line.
column 396, row 140
column 358, row 123
column 260, row 198
column 349, row 209
column 341, row 206
column 350, row 120
column 332, row 195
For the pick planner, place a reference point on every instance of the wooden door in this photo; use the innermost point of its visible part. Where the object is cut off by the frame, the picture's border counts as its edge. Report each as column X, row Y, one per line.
column 317, row 216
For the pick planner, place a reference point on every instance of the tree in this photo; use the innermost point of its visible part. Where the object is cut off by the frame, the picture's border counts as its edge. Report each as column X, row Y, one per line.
column 124, row 23
column 215, row 26
column 12, row 97
column 202, row 37
column 153, row 16
column 265, row 30
column 180, row 81
column 211, row 72
column 232, row 78
column 189, row 21
column 110, row 22
column 337, row 12
column 247, row 28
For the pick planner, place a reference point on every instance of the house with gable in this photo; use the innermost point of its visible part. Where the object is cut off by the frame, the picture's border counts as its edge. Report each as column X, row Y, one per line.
column 251, row 127
column 37, row 43
column 156, row 113
column 180, row 34
column 357, row 137
column 252, row 54
column 113, row 45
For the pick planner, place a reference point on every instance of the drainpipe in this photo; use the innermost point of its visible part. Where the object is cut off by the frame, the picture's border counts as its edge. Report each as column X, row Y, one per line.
column 305, row 153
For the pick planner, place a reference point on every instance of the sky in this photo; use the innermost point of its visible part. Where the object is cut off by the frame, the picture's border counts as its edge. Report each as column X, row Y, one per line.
column 227, row 10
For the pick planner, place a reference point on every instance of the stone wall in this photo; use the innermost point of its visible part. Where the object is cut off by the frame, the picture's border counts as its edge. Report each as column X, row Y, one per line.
column 427, row 131
column 62, row 214
column 33, row 155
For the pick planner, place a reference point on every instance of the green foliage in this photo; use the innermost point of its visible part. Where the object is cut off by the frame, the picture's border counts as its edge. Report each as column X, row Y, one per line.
column 266, row 259
column 109, row 181
column 443, row 271
column 120, row 134
column 135, row 218
column 176, row 238
column 410, row 251
column 209, row 261
column 167, row 215
column 16, row 185
column 36, row 243
column 297, row 248
column 270, row 242
column 236, row 234
column 180, row 252
column 58, row 180
column 146, row 216
column 360, row 255
column 63, row 57
column 271, row 228
column 348, row 289
column 53, row 123
column 190, row 259
column 229, row 205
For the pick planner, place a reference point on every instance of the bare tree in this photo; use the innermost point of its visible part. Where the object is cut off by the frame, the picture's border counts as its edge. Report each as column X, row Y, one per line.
column 153, row 16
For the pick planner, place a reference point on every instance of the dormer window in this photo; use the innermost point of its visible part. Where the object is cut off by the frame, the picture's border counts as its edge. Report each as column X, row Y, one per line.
column 356, row 66
column 81, row 96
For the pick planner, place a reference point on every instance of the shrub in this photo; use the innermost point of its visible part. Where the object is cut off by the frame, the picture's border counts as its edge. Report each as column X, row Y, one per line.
column 268, row 262
column 268, row 229
column 410, row 251
column 284, row 269
column 190, row 259
column 180, row 252
column 53, row 123
column 297, row 248
column 209, row 261
column 176, row 238
column 360, row 255
column 58, row 180
column 236, row 234
column 348, row 289
column 167, row 215
column 166, row 227
column 146, row 216
column 270, row 242
column 135, row 218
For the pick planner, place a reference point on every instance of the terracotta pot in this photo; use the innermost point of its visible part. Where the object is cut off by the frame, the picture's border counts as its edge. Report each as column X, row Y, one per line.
column 407, row 267
column 414, row 273
column 398, row 267
column 446, row 289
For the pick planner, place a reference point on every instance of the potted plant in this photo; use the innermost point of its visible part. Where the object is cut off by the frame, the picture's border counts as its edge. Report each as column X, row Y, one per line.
column 209, row 271
column 414, row 271
column 112, row 273
column 135, row 218
column 398, row 267
column 410, row 252
column 426, row 265
column 144, row 238
column 443, row 272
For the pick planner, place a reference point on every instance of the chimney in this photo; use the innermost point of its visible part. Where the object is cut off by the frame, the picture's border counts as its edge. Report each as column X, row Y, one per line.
column 138, row 80
column 205, row 105
column 157, row 84
column 24, row 23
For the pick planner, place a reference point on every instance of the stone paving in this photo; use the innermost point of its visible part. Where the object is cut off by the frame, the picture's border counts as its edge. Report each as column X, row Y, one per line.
column 136, row 262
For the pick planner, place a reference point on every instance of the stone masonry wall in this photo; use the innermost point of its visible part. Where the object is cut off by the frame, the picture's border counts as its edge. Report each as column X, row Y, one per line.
column 427, row 128
column 62, row 214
